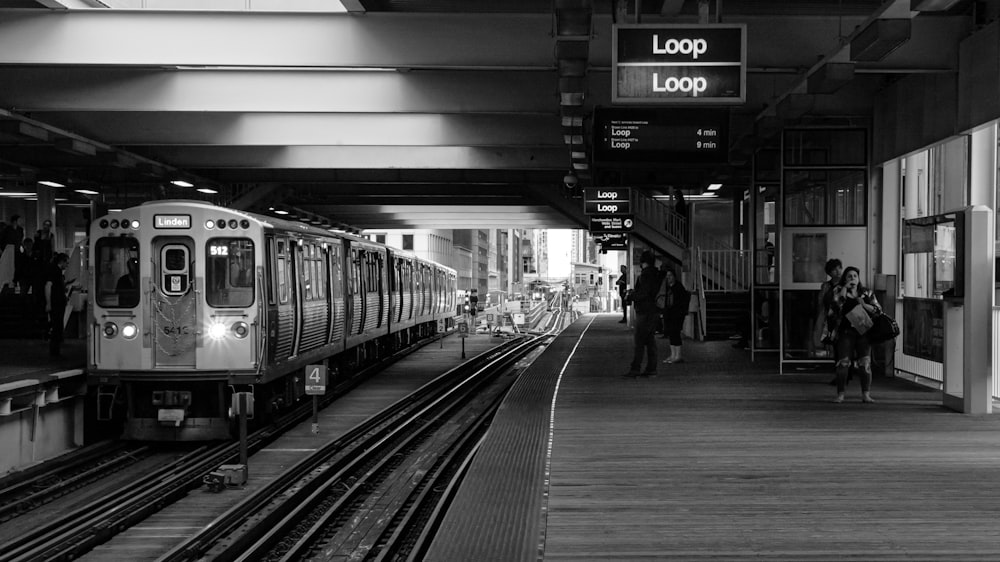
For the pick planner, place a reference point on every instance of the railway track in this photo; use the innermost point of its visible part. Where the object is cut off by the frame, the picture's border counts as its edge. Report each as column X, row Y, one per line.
column 27, row 491
column 73, row 533
column 378, row 490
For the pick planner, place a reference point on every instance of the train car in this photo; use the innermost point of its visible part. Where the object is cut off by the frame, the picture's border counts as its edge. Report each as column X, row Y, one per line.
column 194, row 302
column 421, row 293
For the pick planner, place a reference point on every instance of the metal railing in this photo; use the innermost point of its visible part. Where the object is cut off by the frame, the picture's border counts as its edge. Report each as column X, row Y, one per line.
column 656, row 212
column 724, row 270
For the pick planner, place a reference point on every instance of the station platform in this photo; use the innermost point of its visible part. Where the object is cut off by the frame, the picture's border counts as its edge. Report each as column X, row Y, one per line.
column 720, row 458
column 29, row 358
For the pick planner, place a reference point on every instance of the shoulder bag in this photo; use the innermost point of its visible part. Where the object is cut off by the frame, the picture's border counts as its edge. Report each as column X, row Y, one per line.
column 884, row 328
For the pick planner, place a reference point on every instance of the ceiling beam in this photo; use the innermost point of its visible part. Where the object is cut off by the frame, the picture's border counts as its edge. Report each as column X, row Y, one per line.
column 129, row 89
column 247, row 129
column 333, row 157
column 127, row 37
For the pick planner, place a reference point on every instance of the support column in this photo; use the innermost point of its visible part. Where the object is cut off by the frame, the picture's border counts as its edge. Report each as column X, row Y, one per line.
column 978, row 323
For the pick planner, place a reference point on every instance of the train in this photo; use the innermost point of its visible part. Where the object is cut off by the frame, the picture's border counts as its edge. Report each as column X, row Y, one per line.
column 193, row 303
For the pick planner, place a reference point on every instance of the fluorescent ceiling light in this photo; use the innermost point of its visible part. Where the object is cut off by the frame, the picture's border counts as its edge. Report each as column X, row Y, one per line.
column 87, row 191
column 208, row 190
column 182, row 183
column 706, row 195
column 714, row 186
column 17, row 193
column 292, row 68
column 51, row 183
column 280, row 212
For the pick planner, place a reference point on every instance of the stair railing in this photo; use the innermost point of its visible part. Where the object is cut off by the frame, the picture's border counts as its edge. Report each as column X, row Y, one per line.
column 702, row 306
column 725, row 270
column 657, row 213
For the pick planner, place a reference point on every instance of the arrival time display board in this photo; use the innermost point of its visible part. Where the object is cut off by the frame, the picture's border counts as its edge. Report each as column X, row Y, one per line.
column 641, row 135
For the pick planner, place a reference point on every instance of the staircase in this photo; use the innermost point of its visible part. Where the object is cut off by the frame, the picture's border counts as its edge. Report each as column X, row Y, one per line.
column 725, row 313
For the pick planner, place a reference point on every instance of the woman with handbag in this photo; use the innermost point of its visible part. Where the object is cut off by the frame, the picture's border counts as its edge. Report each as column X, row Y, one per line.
column 850, row 315
column 673, row 299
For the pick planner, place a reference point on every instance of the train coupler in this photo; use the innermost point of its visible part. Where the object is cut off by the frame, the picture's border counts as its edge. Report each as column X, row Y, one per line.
column 226, row 476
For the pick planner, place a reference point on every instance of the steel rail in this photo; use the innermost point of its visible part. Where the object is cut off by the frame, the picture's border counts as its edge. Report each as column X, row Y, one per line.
column 374, row 465
column 80, row 530
column 253, row 507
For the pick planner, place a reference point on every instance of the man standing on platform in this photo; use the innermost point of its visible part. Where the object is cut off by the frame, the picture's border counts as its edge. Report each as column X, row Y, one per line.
column 622, row 284
column 646, row 317
column 56, row 300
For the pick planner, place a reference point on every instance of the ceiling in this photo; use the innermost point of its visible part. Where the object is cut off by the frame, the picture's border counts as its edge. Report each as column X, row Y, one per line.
column 401, row 113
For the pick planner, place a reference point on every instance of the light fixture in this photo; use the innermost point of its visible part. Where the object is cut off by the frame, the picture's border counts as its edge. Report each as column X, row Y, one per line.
column 86, row 191
column 280, row 212
column 50, row 183
column 207, row 190
column 182, row 183
column 714, row 186
column 706, row 195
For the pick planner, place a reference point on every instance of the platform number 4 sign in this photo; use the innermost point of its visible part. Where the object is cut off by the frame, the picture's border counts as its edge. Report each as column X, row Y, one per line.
column 316, row 379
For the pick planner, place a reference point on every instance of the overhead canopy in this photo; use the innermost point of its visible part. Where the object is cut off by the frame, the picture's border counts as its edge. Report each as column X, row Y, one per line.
column 408, row 114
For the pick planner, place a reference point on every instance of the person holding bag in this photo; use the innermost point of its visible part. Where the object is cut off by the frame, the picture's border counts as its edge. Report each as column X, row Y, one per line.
column 850, row 315
column 674, row 299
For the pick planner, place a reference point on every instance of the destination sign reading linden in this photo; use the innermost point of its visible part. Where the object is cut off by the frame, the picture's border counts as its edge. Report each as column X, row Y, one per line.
column 656, row 135
column 669, row 63
column 607, row 201
column 171, row 221
column 608, row 223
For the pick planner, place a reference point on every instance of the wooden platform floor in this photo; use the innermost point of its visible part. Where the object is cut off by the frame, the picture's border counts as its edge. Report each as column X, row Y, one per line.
column 721, row 459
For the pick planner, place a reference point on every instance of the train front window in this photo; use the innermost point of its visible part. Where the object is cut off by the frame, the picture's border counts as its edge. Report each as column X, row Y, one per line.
column 117, row 272
column 229, row 272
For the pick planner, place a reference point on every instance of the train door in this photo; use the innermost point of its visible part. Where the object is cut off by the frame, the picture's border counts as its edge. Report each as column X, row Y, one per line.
column 338, row 308
column 281, row 326
column 175, row 314
column 378, row 266
column 355, row 290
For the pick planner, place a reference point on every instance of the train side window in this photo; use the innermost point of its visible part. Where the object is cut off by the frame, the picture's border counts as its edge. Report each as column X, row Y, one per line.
column 269, row 281
column 282, row 272
column 229, row 272
column 117, row 272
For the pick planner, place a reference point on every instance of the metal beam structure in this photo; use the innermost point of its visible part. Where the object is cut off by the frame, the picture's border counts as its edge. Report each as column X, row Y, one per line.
column 394, row 106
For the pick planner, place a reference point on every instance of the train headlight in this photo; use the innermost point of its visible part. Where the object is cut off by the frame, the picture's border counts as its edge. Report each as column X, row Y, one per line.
column 129, row 331
column 217, row 331
column 240, row 329
column 110, row 330
column 209, row 224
